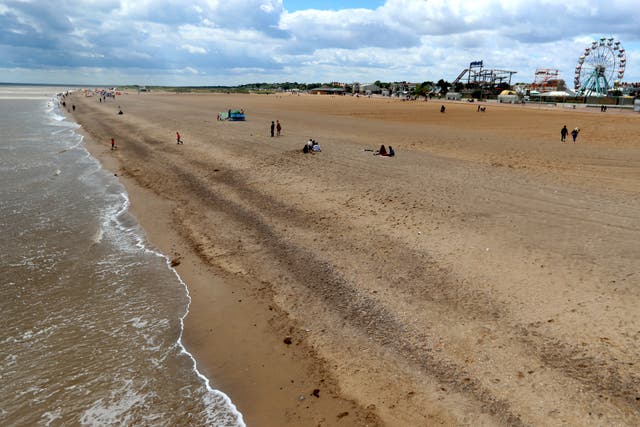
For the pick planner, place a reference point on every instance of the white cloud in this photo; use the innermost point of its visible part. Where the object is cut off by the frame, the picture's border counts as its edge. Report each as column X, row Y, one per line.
column 194, row 49
column 258, row 40
column 190, row 70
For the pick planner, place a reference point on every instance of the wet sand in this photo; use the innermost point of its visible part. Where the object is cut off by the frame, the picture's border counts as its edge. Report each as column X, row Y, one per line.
column 486, row 275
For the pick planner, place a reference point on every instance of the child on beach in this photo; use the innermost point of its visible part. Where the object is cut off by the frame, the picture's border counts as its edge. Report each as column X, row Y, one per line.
column 178, row 140
column 574, row 134
column 113, row 144
column 278, row 127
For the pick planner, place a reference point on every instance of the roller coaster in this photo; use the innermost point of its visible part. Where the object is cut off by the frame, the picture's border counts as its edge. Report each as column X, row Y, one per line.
column 482, row 77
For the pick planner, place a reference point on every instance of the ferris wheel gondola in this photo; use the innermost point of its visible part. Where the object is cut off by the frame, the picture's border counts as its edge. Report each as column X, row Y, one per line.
column 600, row 67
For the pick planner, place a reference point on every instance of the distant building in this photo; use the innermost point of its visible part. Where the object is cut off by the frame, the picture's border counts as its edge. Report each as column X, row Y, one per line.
column 402, row 89
column 326, row 90
column 370, row 89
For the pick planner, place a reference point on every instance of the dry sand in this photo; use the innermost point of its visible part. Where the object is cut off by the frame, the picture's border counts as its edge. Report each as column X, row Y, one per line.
column 486, row 275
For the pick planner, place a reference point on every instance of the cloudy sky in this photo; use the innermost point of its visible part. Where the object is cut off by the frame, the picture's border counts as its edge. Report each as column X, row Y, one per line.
column 226, row 42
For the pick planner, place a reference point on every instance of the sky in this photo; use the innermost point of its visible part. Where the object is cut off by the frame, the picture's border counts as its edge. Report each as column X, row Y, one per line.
column 230, row 42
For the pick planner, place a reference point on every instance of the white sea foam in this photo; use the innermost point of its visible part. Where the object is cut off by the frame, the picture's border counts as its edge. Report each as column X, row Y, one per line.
column 116, row 410
column 10, row 360
column 213, row 393
column 51, row 416
column 27, row 336
column 103, row 412
column 97, row 236
column 137, row 322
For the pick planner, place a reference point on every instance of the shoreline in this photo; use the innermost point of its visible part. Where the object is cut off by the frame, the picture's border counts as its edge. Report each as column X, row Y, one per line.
column 430, row 288
column 266, row 400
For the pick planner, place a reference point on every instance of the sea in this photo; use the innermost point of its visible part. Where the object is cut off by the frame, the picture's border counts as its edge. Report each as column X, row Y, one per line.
column 91, row 314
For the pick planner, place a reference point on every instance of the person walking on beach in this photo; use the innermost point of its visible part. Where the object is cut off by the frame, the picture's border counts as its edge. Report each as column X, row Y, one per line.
column 178, row 140
column 273, row 127
column 563, row 133
column 113, row 144
column 278, row 127
column 574, row 134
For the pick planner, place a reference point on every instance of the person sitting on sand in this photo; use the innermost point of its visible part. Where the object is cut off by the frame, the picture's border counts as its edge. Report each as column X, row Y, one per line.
column 381, row 152
column 442, row 108
column 391, row 152
column 310, row 144
column 120, row 112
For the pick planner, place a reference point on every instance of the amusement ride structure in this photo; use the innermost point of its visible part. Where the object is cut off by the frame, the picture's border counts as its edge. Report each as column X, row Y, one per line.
column 600, row 67
column 546, row 79
column 476, row 74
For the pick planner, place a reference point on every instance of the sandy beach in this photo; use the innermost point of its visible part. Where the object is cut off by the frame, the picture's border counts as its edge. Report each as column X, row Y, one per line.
column 485, row 275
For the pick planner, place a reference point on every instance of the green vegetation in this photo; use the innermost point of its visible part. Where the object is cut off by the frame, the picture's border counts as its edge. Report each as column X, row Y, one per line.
column 421, row 89
column 246, row 88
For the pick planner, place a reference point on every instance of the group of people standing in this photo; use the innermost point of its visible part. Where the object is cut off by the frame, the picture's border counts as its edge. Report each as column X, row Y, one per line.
column 564, row 132
column 275, row 127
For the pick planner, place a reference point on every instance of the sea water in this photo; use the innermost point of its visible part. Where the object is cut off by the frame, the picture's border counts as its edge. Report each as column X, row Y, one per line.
column 90, row 314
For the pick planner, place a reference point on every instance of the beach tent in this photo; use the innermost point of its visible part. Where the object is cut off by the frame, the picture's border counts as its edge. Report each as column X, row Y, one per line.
column 237, row 115
column 557, row 93
column 508, row 97
column 233, row 115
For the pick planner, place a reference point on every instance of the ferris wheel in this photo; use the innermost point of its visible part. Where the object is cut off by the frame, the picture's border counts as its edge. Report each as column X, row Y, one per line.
column 600, row 67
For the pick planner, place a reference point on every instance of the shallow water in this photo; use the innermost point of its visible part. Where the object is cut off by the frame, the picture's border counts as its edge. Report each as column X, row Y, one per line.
column 91, row 315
